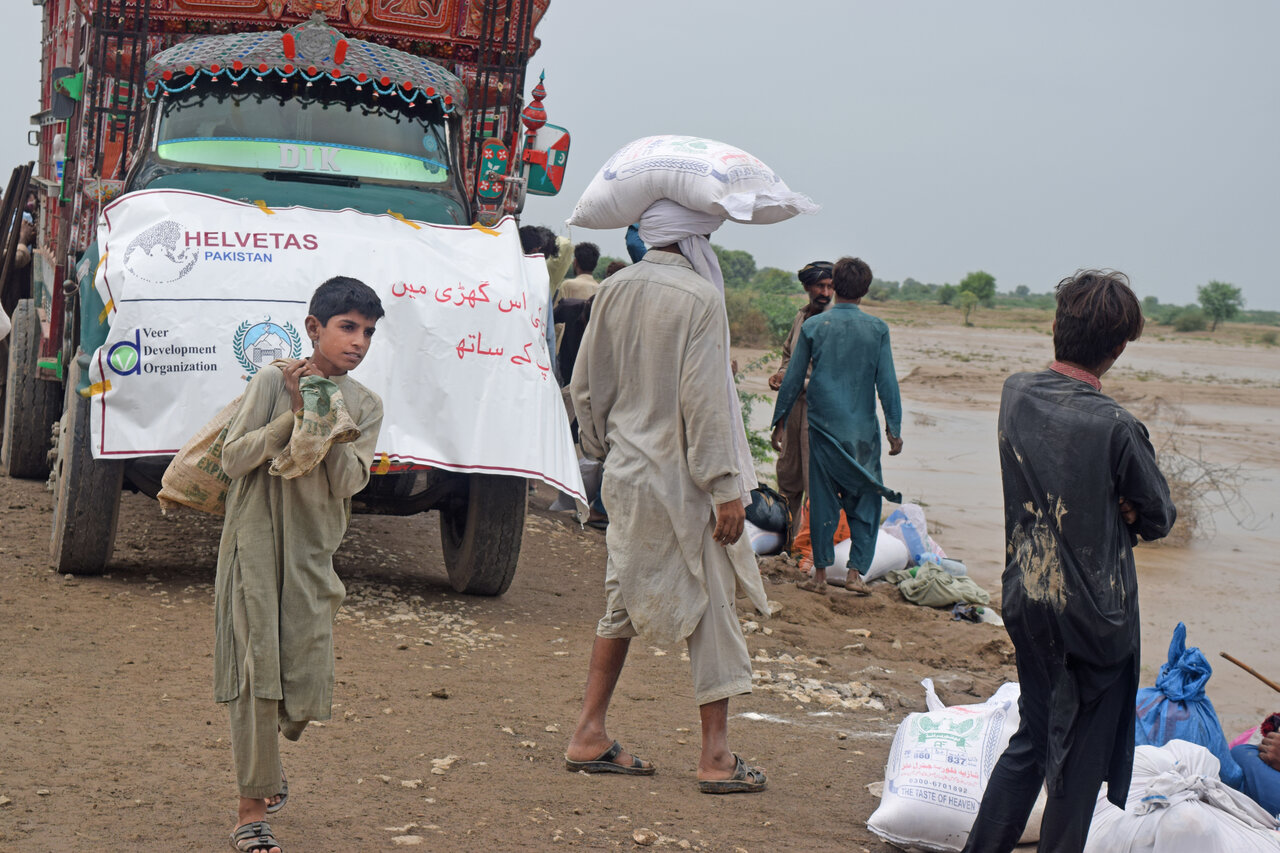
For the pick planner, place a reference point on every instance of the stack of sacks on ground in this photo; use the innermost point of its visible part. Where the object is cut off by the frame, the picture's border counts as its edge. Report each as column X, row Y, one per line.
column 890, row 554
column 905, row 555
column 938, row 769
column 1177, row 804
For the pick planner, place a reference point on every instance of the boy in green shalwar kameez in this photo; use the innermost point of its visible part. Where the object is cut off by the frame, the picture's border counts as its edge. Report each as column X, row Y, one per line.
column 276, row 593
column 852, row 364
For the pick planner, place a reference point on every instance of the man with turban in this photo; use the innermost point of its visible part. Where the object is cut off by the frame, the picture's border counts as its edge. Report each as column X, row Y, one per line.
column 793, row 459
column 852, row 364
column 655, row 400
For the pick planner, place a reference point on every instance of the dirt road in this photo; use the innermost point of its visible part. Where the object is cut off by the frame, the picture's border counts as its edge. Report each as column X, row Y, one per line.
column 450, row 714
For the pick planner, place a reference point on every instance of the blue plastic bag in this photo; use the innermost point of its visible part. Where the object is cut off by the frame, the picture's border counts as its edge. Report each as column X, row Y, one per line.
column 915, row 539
column 1177, row 708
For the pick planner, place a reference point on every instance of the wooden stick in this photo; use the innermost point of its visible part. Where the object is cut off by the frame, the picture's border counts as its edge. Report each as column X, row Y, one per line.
column 1253, row 672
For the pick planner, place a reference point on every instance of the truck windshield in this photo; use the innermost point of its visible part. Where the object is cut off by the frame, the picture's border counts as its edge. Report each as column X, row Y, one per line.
column 264, row 132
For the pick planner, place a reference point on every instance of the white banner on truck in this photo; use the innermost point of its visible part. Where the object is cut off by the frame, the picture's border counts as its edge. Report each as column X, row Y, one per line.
column 203, row 291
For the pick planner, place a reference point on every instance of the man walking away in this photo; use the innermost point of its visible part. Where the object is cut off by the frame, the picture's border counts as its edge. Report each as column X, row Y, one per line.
column 852, row 364
column 653, row 398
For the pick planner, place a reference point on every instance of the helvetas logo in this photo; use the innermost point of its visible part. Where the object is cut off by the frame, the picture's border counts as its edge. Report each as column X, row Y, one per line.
column 256, row 344
column 156, row 256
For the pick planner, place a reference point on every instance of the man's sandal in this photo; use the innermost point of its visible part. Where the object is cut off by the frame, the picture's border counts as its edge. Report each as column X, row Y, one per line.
column 604, row 763
column 745, row 780
column 255, row 836
column 283, row 795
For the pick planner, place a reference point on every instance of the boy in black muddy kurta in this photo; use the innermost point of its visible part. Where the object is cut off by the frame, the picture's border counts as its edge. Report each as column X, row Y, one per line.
column 276, row 592
column 1081, row 485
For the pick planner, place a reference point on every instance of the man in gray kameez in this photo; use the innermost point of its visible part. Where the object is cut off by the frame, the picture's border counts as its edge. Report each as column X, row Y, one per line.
column 653, row 397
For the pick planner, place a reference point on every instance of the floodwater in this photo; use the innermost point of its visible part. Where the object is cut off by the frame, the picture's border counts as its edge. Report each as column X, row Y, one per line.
column 1219, row 403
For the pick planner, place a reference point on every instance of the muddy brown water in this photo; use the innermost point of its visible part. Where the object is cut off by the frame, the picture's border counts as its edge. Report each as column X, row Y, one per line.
column 1221, row 401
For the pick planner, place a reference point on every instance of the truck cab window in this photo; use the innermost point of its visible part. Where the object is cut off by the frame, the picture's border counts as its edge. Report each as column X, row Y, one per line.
column 268, row 132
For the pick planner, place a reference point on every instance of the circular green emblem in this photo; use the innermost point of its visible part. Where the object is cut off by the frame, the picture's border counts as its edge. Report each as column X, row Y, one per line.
column 124, row 359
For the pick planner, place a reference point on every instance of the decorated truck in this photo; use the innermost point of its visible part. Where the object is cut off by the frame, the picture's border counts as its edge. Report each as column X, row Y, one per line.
column 202, row 167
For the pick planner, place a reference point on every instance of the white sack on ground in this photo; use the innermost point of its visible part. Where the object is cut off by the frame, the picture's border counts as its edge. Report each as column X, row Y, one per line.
column 1177, row 804
column 763, row 542
column 890, row 555
column 700, row 174
column 938, row 768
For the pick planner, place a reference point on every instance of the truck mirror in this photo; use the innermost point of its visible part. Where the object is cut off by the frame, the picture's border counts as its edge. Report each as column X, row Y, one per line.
column 546, row 156
column 68, row 87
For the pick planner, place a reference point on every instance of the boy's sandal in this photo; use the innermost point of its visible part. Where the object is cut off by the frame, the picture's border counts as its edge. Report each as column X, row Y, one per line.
column 283, row 795
column 745, row 780
column 255, row 836
column 812, row 585
column 856, row 584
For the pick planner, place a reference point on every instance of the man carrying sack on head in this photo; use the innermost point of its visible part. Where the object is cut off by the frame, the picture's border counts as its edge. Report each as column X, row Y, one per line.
column 654, row 397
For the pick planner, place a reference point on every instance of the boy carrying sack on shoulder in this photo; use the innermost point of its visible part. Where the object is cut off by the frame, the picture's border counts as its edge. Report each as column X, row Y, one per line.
column 276, row 594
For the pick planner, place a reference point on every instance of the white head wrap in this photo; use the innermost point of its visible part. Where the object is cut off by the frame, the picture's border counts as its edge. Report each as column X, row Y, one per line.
column 665, row 223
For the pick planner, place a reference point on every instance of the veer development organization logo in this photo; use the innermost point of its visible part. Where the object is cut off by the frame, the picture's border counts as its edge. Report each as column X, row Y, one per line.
column 124, row 357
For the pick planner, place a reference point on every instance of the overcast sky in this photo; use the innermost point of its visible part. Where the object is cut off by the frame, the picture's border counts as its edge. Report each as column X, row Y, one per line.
column 940, row 137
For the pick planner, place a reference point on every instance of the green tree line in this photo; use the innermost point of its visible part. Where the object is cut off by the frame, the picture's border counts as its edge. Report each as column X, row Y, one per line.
column 762, row 301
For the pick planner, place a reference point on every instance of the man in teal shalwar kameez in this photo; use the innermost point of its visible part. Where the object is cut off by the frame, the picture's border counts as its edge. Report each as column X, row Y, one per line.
column 852, row 363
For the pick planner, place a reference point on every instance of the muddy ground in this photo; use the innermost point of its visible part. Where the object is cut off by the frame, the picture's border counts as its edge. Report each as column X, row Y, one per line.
column 451, row 713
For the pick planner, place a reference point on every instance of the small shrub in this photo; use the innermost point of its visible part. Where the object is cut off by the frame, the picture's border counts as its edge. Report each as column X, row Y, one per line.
column 1192, row 320
column 1268, row 338
column 780, row 312
column 1198, row 486
column 758, row 440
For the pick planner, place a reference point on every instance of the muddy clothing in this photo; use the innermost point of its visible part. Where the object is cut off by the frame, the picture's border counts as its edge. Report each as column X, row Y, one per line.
column 275, row 561
column 1068, row 454
column 852, row 363
column 649, row 391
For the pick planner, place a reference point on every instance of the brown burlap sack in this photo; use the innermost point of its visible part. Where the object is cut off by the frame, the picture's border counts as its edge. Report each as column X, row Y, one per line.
column 195, row 477
column 322, row 422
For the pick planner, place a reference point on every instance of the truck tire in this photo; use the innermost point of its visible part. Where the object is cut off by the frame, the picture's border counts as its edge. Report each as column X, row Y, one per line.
column 30, row 404
column 86, row 494
column 481, row 534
